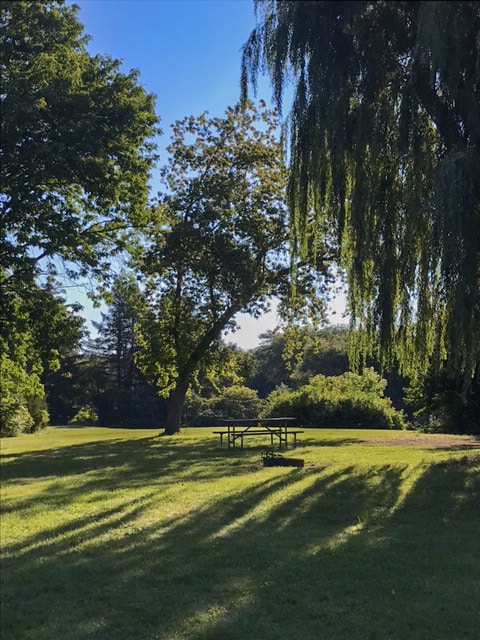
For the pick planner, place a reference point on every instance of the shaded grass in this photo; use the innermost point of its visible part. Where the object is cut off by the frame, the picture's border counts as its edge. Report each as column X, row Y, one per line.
column 119, row 534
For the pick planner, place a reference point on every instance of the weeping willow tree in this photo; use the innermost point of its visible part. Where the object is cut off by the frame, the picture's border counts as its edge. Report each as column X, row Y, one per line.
column 384, row 147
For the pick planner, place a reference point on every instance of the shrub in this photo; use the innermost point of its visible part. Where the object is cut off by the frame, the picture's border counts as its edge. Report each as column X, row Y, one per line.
column 236, row 401
column 198, row 411
column 349, row 400
column 85, row 415
column 442, row 403
column 23, row 407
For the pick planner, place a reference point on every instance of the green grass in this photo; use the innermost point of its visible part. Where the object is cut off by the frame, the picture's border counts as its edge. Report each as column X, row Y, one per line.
column 120, row 534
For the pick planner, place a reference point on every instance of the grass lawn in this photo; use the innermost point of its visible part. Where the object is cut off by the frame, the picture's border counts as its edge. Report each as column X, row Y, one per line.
column 121, row 534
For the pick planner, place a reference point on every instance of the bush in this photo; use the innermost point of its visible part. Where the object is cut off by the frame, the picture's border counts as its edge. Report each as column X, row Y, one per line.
column 349, row 400
column 85, row 415
column 23, row 406
column 236, row 401
column 442, row 404
column 198, row 411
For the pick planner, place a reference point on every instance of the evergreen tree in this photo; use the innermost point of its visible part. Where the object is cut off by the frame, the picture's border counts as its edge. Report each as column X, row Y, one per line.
column 116, row 331
column 124, row 398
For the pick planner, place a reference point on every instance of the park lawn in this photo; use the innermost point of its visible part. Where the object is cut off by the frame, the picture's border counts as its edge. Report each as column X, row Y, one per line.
column 121, row 534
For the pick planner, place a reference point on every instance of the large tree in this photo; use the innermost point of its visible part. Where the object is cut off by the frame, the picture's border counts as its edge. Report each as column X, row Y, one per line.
column 75, row 157
column 116, row 332
column 125, row 398
column 218, row 246
column 76, row 146
column 385, row 149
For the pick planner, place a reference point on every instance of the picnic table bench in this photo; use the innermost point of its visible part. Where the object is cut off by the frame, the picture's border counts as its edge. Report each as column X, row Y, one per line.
column 274, row 428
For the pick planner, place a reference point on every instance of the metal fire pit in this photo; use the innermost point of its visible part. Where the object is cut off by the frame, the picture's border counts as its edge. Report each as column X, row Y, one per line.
column 271, row 459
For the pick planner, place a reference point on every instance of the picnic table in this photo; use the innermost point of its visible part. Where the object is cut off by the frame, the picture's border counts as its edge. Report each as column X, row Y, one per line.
column 274, row 428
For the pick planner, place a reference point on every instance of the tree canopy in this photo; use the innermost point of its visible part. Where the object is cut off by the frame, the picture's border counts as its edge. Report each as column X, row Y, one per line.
column 76, row 153
column 384, row 152
column 217, row 245
column 76, row 147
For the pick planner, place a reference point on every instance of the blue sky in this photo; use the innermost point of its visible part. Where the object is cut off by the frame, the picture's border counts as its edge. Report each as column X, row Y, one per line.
column 188, row 53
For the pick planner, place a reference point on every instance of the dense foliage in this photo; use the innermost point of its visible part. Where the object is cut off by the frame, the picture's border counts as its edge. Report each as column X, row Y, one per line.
column 237, row 401
column 23, row 408
column 217, row 245
column 126, row 399
column 385, row 157
column 84, row 391
column 75, row 155
column 437, row 405
column 75, row 160
column 37, row 331
column 292, row 358
column 348, row 400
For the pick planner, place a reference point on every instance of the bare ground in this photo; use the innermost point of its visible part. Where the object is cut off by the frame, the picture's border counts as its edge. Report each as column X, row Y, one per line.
column 438, row 440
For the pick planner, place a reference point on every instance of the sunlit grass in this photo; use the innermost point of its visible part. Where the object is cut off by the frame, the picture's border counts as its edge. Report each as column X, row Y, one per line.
column 121, row 534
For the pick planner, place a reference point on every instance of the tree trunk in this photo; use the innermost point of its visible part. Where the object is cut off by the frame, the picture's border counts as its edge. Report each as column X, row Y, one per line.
column 177, row 396
column 175, row 408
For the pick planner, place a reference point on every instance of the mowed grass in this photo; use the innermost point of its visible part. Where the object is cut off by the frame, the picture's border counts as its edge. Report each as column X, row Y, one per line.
column 121, row 534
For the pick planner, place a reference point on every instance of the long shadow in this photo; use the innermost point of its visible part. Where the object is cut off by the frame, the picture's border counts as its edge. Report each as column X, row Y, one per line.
column 302, row 554
column 114, row 454
column 123, row 463
column 95, row 466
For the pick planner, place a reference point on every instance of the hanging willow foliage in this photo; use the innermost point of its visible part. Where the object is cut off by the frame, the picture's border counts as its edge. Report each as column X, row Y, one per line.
column 384, row 145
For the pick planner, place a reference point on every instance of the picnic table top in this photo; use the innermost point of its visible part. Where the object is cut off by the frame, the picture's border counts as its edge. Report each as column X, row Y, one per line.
column 245, row 421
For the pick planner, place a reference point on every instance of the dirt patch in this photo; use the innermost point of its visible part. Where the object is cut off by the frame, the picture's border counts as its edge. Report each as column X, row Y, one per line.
column 438, row 440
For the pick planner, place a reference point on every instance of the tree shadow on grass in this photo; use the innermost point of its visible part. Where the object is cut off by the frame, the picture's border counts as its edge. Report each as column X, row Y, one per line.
column 130, row 460
column 310, row 554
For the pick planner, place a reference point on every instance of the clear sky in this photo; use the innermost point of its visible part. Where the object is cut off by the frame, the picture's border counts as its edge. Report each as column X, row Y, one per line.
column 188, row 53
